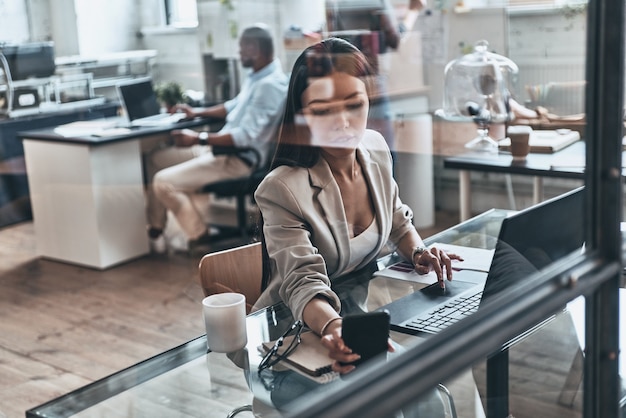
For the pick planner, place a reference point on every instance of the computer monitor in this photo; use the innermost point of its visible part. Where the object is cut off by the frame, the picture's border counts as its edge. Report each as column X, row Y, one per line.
column 35, row 59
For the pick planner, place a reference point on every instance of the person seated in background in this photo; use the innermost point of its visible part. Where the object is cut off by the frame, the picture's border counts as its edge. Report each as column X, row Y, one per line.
column 252, row 119
column 330, row 204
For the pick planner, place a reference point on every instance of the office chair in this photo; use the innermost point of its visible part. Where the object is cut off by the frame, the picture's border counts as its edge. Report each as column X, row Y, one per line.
column 241, row 188
column 236, row 269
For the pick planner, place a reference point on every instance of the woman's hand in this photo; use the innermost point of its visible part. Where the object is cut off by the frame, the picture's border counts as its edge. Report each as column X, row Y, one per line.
column 439, row 261
column 341, row 354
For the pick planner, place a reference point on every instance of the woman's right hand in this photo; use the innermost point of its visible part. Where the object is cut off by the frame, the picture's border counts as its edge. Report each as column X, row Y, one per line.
column 339, row 352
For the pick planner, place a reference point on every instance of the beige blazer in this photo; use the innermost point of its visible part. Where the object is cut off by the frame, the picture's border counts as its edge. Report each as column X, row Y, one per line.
column 305, row 226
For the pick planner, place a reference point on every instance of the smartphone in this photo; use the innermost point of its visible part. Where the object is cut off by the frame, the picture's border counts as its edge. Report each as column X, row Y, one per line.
column 366, row 334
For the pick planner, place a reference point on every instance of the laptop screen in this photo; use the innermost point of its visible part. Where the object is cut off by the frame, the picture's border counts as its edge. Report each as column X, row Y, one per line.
column 533, row 238
column 138, row 98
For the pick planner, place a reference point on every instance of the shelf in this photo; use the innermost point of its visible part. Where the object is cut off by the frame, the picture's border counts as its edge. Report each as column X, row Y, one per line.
column 105, row 59
column 108, row 70
column 56, row 107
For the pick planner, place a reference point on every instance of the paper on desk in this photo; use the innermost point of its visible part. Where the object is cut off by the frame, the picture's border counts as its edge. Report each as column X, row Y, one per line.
column 85, row 128
column 403, row 270
column 477, row 259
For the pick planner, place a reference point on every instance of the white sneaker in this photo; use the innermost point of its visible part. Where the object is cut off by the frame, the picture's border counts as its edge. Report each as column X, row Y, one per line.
column 158, row 245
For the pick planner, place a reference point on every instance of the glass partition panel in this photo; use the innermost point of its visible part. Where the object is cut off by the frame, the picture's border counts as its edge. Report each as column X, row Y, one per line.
column 526, row 219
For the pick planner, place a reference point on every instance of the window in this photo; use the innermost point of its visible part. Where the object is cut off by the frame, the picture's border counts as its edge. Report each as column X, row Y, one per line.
column 181, row 13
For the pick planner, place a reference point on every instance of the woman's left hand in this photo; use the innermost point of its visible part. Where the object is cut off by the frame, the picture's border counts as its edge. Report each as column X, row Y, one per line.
column 439, row 260
column 341, row 354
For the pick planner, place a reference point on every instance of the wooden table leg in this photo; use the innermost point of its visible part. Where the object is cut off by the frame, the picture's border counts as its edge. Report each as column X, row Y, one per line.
column 537, row 189
column 465, row 190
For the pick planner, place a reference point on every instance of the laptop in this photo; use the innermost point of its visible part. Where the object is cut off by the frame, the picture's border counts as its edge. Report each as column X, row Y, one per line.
column 528, row 241
column 141, row 105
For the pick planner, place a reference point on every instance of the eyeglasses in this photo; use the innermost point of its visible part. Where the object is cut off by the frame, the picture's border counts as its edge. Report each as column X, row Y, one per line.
column 272, row 357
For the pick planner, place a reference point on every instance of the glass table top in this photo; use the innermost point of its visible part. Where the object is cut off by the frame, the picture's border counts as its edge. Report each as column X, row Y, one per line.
column 189, row 381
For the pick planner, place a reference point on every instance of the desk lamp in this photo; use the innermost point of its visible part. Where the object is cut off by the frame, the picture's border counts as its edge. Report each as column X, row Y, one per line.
column 476, row 88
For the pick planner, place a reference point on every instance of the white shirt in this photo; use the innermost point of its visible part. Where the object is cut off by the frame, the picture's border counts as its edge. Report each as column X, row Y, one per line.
column 255, row 113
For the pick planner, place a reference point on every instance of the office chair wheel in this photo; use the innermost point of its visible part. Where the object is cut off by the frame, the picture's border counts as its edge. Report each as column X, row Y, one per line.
column 236, row 411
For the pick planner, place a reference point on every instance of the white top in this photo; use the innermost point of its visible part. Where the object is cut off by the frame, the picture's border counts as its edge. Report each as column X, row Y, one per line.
column 362, row 245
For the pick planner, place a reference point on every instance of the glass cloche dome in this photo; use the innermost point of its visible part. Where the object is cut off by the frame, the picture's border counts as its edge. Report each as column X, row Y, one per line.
column 477, row 87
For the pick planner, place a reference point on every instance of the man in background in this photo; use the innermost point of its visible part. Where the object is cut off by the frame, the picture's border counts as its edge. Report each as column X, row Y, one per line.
column 251, row 120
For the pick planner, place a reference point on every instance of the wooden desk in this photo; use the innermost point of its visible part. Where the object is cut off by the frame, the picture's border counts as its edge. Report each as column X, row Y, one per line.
column 566, row 163
column 87, row 194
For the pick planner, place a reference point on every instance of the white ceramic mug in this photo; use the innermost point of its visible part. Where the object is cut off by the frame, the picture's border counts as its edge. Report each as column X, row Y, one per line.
column 225, row 322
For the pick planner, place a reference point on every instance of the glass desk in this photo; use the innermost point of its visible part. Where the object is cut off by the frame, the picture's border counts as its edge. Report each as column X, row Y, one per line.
column 187, row 381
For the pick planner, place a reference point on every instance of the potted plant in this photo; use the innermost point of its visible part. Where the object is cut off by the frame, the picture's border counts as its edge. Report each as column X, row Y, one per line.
column 170, row 94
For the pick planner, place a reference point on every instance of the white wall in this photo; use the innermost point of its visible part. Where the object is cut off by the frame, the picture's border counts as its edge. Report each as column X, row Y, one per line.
column 178, row 59
column 64, row 29
column 13, row 21
column 106, row 26
column 97, row 26
column 548, row 47
column 181, row 51
column 40, row 21
column 85, row 27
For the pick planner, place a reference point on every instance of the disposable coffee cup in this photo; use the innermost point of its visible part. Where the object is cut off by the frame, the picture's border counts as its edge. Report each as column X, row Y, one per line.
column 225, row 322
column 520, row 141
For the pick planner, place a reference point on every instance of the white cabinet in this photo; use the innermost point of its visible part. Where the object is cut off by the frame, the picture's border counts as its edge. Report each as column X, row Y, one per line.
column 84, row 211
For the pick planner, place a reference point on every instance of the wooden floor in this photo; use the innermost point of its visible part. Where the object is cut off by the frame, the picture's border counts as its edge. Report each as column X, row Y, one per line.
column 63, row 326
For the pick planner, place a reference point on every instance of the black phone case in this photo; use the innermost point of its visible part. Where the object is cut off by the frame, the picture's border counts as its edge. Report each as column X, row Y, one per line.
column 366, row 334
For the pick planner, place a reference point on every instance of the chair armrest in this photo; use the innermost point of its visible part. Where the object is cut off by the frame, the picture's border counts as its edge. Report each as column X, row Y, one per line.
column 232, row 150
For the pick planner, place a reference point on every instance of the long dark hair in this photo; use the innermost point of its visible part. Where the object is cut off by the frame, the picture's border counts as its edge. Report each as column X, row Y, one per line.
column 322, row 59
column 293, row 148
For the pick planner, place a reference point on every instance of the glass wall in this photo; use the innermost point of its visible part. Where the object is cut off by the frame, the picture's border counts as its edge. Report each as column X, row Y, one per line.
column 511, row 119
column 533, row 71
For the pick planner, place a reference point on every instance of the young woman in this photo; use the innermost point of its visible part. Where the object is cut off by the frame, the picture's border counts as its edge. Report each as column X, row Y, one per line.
column 330, row 203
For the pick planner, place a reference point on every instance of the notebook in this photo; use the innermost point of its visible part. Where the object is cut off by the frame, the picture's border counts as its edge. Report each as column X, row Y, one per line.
column 141, row 105
column 310, row 357
column 528, row 241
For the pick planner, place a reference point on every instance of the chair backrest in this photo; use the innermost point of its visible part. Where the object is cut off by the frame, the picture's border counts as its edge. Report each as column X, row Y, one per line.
column 236, row 269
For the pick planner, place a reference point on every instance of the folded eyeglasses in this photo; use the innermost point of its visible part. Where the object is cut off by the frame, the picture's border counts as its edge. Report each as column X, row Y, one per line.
column 273, row 356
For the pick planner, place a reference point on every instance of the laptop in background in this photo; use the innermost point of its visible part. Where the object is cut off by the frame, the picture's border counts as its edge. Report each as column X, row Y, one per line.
column 141, row 105
column 528, row 241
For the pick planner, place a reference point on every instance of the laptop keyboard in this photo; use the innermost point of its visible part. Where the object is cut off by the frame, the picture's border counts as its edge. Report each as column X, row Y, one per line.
column 444, row 315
